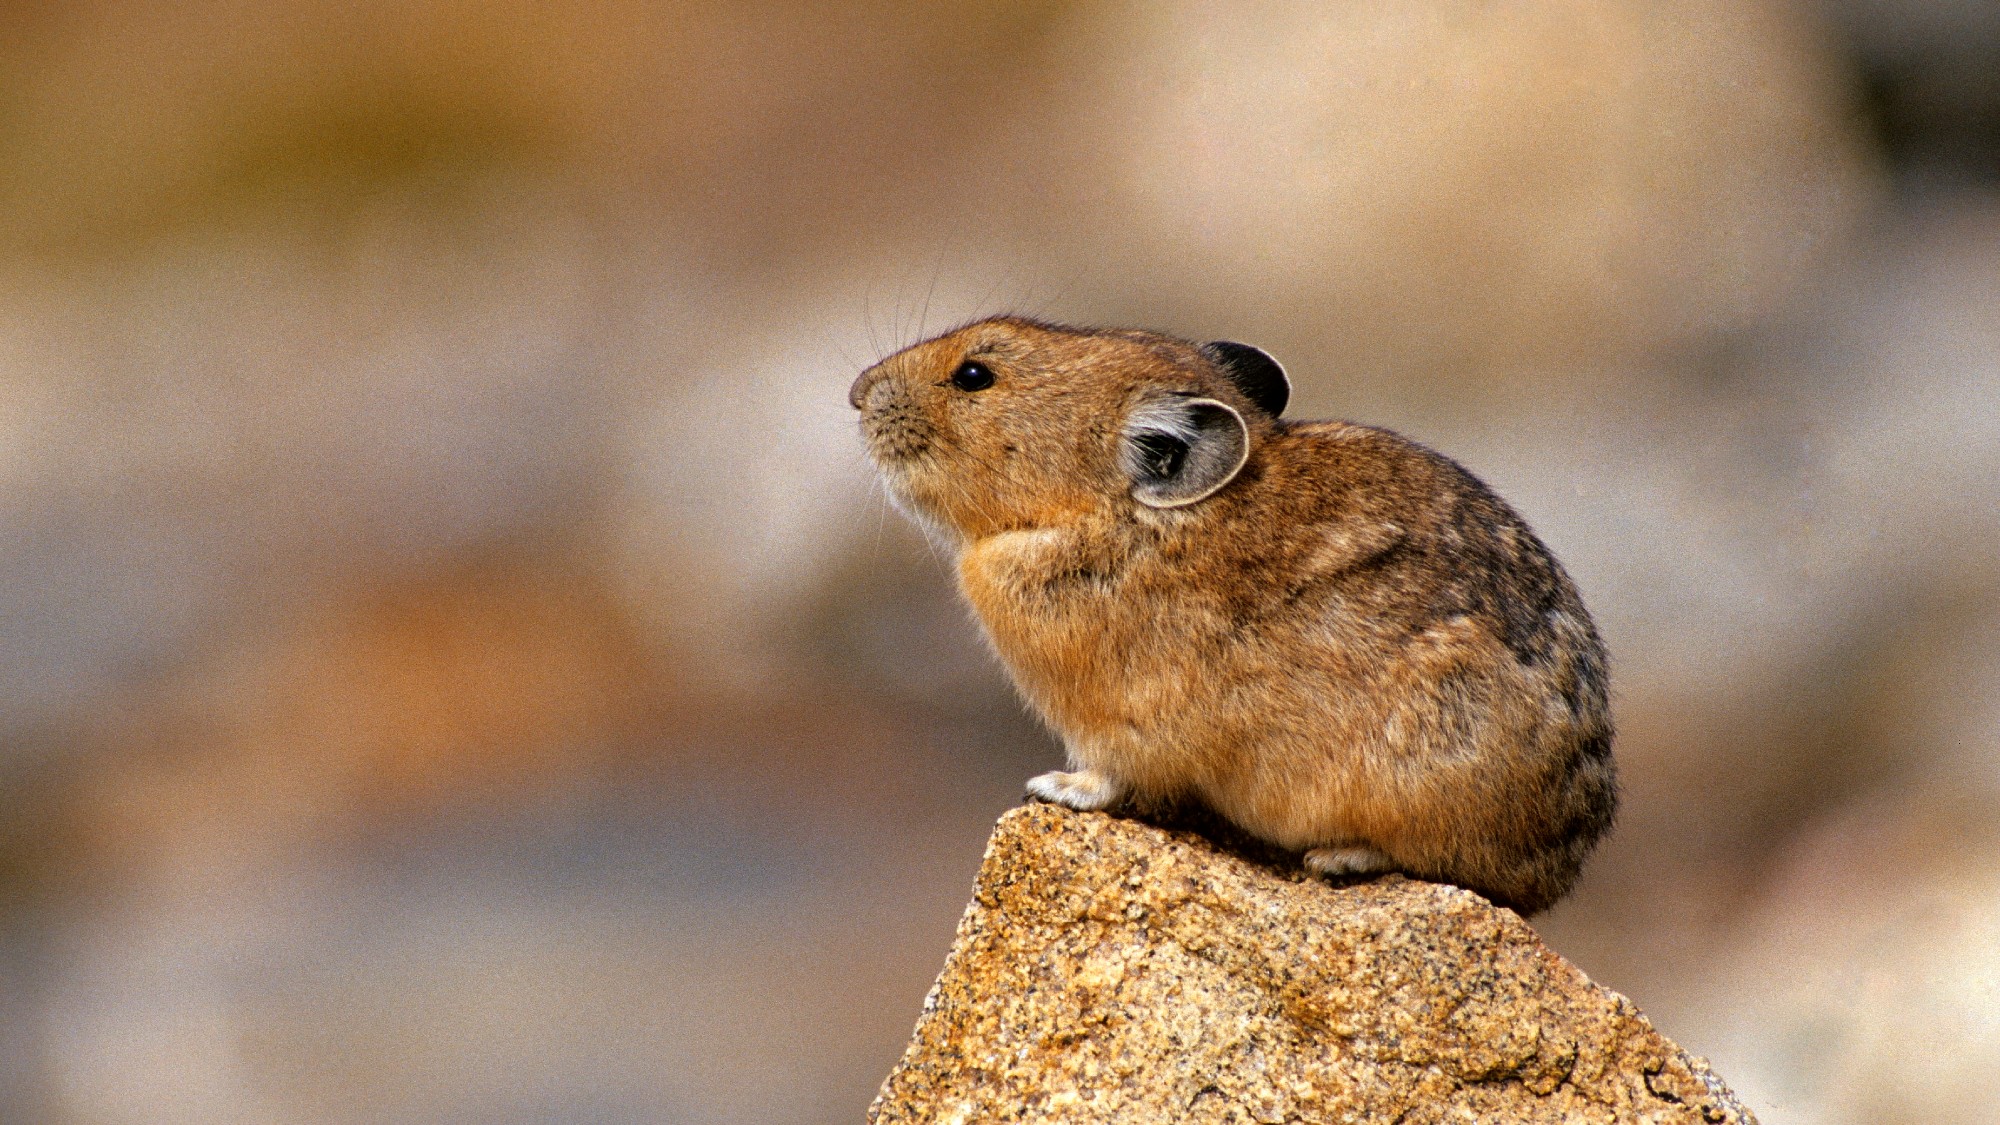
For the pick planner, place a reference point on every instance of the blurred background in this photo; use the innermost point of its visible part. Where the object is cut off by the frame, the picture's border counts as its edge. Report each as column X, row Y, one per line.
column 454, row 663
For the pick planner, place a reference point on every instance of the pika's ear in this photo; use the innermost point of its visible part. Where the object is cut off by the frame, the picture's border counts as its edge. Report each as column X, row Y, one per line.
column 1179, row 450
column 1254, row 372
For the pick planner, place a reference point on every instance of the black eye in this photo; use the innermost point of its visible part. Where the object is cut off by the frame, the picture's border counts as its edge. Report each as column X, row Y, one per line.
column 972, row 376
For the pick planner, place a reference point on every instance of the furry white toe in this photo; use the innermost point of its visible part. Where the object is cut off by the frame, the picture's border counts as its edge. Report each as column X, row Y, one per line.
column 1084, row 790
column 1341, row 862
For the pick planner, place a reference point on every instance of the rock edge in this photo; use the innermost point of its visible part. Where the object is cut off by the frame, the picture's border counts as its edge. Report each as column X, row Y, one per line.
column 1110, row 970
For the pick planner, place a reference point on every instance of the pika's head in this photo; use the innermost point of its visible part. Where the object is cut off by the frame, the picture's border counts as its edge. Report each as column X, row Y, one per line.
column 1008, row 424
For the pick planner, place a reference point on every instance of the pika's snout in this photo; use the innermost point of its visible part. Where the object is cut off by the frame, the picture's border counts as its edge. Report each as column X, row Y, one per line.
column 857, row 395
column 895, row 428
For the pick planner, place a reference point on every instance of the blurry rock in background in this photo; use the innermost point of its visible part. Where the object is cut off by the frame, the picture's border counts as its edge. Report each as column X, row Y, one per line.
column 456, row 665
column 1926, row 67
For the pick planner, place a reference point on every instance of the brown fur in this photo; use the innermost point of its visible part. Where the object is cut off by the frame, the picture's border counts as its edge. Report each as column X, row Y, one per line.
column 1352, row 644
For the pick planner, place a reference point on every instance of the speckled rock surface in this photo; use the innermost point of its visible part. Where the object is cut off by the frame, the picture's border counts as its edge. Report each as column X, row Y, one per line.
column 1108, row 970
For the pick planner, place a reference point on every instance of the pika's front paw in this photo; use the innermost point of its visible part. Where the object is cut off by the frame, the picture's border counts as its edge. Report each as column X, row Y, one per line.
column 1340, row 863
column 1084, row 790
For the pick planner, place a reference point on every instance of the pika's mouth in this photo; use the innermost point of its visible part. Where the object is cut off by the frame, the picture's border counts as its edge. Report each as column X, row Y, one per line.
column 900, row 446
column 894, row 436
column 900, row 453
column 895, row 431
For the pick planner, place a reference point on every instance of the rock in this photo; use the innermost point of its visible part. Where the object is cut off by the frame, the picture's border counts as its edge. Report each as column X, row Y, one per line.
column 1109, row 970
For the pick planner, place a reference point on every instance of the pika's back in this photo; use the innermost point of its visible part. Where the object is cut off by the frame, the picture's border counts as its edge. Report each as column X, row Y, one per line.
column 1435, row 541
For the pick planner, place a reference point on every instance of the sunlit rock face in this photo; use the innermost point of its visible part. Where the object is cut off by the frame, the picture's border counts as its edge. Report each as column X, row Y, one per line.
column 1110, row 971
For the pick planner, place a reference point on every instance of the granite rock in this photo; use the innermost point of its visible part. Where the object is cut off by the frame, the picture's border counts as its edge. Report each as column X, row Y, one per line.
column 1110, row 970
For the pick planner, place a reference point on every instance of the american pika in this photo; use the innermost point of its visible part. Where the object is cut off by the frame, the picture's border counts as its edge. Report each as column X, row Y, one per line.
column 1337, row 639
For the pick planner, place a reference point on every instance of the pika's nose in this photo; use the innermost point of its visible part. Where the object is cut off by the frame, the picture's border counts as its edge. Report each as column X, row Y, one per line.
column 857, row 395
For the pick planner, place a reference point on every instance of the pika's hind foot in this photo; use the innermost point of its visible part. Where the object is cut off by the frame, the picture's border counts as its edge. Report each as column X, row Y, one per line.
column 1340, row 863
column 1084, row 790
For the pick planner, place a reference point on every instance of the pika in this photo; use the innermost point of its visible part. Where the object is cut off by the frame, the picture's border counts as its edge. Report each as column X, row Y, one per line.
column 1335, row 638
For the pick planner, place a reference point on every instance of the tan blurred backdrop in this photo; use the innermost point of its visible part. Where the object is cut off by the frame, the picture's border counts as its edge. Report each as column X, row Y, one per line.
column 454, row 666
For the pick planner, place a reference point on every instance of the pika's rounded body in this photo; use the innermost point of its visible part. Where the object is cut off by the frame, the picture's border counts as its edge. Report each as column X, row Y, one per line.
column 1337, row 639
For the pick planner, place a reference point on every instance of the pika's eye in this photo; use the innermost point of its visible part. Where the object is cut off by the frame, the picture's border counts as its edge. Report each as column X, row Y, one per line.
column 972, row 376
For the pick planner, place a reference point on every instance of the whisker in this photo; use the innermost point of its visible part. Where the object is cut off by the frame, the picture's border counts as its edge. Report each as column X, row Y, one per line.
column 937, row 271
column 901, row 327
column 881, row 494
column 868, row 320
column 986, row 301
